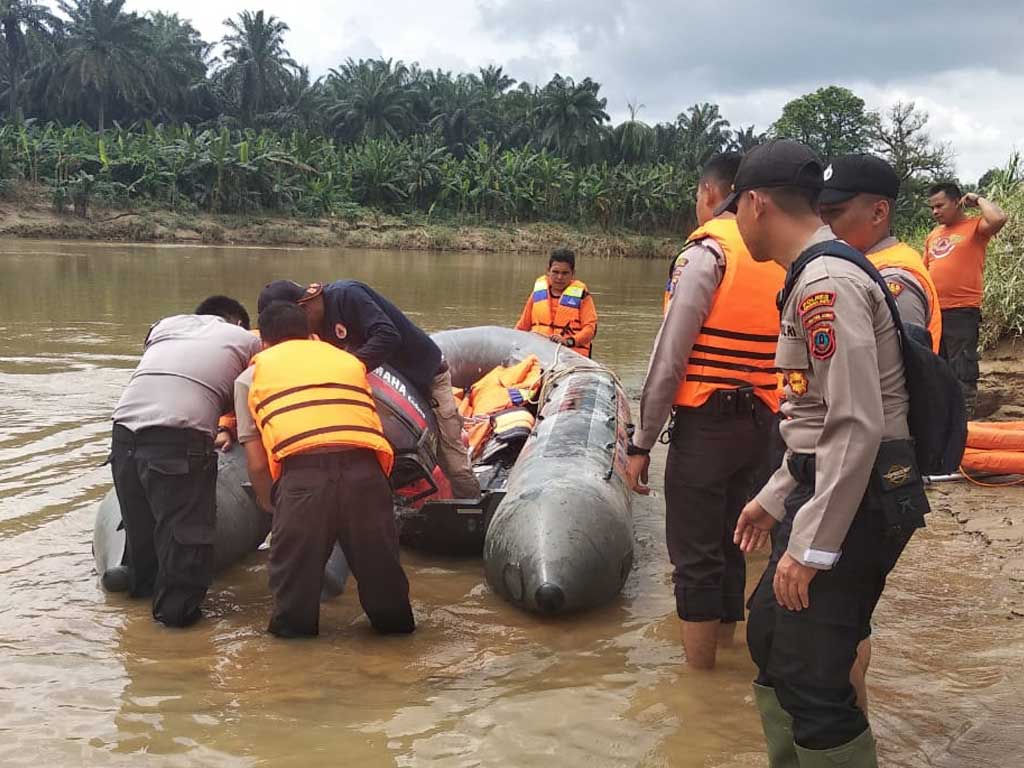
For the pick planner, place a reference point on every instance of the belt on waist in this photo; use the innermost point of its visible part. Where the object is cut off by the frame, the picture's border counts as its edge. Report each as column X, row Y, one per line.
column 162, row 436
column 736, row 403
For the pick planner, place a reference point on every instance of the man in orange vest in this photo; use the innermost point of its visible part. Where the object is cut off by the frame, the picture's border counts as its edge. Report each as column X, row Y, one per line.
column 713, row 367
column 858, row 202
column 955, row 255
column 560, row 306
column 319, row 462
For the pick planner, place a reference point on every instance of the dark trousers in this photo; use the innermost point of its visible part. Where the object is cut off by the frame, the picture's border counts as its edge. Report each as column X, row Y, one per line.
column 713, row 462
column 166, row 484
column 806, row 655
column 326, row 497
column 960, row 330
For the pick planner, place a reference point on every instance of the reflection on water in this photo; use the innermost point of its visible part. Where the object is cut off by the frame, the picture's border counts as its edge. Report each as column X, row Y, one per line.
column 89, row 679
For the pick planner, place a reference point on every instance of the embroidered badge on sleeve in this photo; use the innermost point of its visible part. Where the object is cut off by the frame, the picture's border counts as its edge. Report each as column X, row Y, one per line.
column 895, row 288
column 817, row 301
column 797, row 382
column 823, row 342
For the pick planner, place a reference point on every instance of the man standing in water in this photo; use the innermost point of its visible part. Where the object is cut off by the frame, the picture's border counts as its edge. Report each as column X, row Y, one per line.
column 712, row 366
column 355, row 318
column 560, row 306
column 845, row 502
column 955, row 255
column 162, row 456
column 308, row 422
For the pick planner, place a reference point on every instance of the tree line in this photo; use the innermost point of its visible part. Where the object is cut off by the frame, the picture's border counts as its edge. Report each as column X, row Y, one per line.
column 101, row 101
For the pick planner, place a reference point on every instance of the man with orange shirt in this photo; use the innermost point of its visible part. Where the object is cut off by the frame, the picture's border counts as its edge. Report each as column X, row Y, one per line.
column 954, row 253
column 560, row 306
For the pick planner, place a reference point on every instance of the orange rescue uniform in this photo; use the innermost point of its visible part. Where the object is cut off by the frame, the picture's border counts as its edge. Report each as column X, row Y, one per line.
column 308, row 396
column 736, row 345
column 572, row 315
column 955, row 257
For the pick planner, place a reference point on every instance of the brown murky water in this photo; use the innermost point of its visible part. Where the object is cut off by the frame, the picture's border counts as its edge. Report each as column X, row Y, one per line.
column 89, row 679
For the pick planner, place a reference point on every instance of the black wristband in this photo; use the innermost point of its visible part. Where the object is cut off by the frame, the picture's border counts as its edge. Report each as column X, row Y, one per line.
column 634, row 450
column 570, row 341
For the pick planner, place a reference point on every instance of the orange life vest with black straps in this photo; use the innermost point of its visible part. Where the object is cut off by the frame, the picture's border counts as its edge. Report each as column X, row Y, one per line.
column 736, row 345
column 309, row 395
column 902, row 256
column 566, row 320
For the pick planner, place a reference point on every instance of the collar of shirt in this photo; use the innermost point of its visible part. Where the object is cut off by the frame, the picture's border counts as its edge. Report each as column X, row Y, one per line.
column 881, row 245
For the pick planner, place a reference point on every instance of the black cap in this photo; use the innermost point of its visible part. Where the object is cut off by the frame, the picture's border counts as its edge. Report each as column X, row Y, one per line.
column 852, row 175
column 287, row 290
column 779, row 163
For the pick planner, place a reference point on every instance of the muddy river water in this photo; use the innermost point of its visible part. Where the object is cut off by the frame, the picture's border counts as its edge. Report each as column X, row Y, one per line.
column 90, row 679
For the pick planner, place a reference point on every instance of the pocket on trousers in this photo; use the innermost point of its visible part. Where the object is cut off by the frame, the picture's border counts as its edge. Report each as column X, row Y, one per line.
column 191, row 560
column 170, row 467
column 815, row 649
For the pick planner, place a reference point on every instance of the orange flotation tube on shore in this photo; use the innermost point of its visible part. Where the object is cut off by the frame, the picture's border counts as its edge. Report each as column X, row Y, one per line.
column 994, row 447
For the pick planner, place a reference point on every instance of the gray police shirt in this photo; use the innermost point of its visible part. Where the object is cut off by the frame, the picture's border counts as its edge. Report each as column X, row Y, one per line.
column 186, row 377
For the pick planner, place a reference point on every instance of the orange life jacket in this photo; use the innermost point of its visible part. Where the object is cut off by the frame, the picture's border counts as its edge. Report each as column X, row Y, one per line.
column 308, row 395
column 736, row 345
column 902, row 256
column 566, row 321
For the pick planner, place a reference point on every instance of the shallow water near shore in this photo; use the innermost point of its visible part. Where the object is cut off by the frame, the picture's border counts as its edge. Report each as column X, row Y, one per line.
column 90, row 679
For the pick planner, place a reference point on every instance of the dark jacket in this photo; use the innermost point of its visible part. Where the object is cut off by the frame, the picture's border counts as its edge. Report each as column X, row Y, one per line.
column 364, row 323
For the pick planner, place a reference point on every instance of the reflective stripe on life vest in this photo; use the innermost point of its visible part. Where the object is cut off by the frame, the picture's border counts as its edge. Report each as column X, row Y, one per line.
column 736, row 345
column 902, row 256
column 308, row 395
column 566, row 320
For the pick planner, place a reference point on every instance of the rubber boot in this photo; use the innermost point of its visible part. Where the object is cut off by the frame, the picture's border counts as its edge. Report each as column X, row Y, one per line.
column 117, row 579
column 778, row 729
column 859, row 753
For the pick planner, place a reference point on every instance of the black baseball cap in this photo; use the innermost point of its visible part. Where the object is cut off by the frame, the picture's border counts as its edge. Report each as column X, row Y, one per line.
column 779, row 163
column 287, row 290
column 851, row 175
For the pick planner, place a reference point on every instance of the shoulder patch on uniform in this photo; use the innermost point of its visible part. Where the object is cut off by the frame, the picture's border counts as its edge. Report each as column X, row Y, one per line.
column 818, row 317
column 895, row 287
column 817, row 300
column 823, row 342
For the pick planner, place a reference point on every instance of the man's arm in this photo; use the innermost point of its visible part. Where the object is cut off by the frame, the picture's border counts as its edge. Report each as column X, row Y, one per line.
column 993, row 218
column 588, row 318
column 694, row 292
column 911, row 300
column 381, row 337
column 259, row 474
column 526, row 319
column 844, row 361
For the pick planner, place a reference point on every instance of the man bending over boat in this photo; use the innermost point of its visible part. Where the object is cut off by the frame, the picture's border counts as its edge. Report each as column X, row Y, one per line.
column 560, row 306
column 319, row 461
column 354, row 317
column 162, row 456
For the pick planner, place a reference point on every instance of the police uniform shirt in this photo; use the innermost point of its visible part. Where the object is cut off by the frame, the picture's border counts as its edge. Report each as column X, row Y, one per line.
column 911, row 299
column 698, row 272
column 845, row 393
column 186, row 377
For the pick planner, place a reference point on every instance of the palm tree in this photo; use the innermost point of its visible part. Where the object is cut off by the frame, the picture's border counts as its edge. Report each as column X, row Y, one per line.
column 634, row 140
column 16, row 18
column 494, row 81
column 181, row 57
column 105, row 57
column 457, row 107
column 572, row 116
column 257, row 64
column 745, row 139
column 370, row 99
column 703, row 133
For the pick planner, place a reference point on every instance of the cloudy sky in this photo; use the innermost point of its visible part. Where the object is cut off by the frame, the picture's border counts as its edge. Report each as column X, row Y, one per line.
column 962, row 62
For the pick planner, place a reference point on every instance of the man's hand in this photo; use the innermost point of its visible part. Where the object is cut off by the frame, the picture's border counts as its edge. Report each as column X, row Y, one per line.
column 636, row 473
column 792, row 583
column 557, row 339
column 970, row 200
column 223, row 441
column 753, row 527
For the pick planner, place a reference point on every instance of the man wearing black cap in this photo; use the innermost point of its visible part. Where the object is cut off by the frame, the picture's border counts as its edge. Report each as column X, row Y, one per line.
column 712, row 368
column 846, row 407
column 354, row 317
column 857, row 202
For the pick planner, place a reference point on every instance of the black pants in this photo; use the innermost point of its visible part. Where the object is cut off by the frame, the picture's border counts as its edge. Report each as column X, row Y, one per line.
column 166, row 484
column 326, row 497
column 960, row 330
column 713, row 462
column 807, row 655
